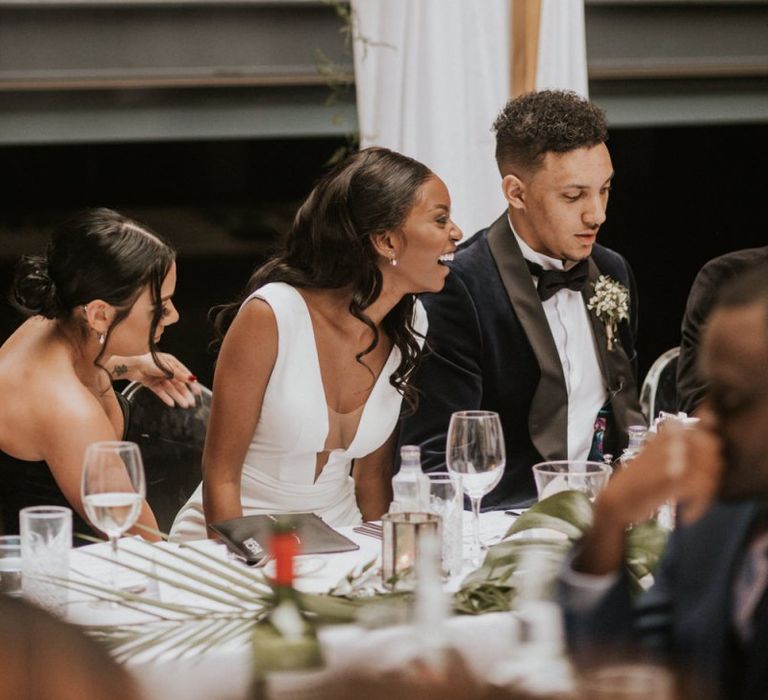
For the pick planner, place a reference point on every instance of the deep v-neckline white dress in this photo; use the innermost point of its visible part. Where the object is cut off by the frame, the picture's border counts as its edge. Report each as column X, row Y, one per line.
column 279, row 470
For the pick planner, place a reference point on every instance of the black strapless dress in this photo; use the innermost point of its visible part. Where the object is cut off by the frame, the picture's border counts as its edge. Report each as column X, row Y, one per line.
column 25, row 484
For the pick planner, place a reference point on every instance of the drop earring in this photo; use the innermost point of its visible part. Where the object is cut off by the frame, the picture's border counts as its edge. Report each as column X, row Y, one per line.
column 102, row 337
column 393, row 261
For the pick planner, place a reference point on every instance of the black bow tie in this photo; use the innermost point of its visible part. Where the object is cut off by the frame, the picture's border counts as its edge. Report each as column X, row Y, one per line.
column 552, row 281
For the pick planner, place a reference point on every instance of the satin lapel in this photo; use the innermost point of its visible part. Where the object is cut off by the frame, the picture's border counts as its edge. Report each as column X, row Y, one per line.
column 598, row 329
column 548, row 416
column 614, row 364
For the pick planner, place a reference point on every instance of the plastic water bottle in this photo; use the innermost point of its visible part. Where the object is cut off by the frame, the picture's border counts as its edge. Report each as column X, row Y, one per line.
column 538, row 665
column 410, row 486
column 637, row 435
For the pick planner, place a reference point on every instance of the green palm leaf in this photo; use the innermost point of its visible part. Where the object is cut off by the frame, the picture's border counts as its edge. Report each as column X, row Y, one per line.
column 568, row 512
column 233, row 599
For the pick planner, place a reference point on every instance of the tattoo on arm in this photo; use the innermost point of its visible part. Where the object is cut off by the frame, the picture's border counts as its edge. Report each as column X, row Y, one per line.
column 119, row 370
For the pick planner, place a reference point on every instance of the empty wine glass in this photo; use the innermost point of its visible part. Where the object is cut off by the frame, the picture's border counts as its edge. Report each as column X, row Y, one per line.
column 475, row 450
column 113, row 489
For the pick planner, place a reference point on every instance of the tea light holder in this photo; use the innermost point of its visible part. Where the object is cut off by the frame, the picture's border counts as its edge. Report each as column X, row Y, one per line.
column 400, row 542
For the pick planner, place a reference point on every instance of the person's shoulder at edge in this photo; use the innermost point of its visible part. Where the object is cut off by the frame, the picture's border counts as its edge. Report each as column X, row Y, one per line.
column 273, row 291
column 60, row 408
column 712, row 275
column 255, row 327
column 728, row 264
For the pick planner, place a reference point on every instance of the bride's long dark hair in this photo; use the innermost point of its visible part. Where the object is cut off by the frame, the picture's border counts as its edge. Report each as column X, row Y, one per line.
column 328, row 247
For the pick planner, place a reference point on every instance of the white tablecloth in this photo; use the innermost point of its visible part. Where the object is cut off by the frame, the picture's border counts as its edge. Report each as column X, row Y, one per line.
column 223, row 673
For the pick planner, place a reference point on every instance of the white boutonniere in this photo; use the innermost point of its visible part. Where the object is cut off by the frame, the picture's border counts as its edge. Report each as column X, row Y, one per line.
column 610, row 303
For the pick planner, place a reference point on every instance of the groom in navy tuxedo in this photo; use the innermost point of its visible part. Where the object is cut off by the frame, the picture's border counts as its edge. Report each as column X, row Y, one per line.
column 707, row 612
column 512, row 330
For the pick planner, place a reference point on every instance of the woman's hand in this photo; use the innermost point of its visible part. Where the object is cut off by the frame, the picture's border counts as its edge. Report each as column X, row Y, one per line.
column 180, row 389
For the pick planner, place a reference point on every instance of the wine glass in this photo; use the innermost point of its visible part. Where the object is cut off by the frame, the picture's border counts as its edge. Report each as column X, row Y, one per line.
column 113, row 489
column 475, row 450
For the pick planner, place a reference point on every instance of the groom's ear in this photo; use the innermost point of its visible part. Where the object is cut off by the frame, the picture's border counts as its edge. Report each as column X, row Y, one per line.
column 514, row 191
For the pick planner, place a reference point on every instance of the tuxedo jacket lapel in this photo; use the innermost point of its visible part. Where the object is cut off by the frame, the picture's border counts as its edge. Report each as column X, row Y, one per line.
column 548, row 416
column 614, row 364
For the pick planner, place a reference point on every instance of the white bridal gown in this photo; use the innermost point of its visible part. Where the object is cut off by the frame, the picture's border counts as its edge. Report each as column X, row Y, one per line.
column 296, row 425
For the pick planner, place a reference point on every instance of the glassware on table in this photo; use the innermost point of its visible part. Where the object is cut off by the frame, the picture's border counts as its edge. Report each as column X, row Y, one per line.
column 402, row 534
column 475, row 451
column 571, row 475
column 410, row 486
column 113, row 490
column 636, row 438
column 10, row 565
column 445, row 500
column 46, row 540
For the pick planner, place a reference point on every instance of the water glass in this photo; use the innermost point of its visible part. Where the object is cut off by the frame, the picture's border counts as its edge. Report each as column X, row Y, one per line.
column 10, row 565
column 46, row 540
column 571, row 475
column 113, row 487
column 446, row 500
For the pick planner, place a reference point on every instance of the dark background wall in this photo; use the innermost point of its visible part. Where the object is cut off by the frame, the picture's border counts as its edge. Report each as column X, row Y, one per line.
column 682, row 195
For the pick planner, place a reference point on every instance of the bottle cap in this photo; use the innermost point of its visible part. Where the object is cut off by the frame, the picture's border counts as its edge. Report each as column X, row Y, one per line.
column 410, row 455
column 284, row 546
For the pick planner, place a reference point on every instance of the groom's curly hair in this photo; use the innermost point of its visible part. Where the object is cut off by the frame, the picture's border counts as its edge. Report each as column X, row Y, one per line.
column 550, row 120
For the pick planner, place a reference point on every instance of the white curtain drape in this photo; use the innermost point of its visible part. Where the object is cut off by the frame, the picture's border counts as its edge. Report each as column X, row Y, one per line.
column 562, row 55
column 431, row 76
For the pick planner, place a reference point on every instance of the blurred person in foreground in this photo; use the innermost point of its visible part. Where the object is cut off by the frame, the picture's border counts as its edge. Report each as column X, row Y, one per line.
column 691, row 389
column 317, row 361
column 513, row 331
column 44, row 658
column 707, row 611
column 96, row 304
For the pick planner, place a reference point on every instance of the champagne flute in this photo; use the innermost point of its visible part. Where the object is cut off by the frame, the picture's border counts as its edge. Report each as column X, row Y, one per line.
column 113, row 489
column 475, row 450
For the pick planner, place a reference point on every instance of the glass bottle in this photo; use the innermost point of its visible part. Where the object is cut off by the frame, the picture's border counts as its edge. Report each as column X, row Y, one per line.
column 285, row 640
column 538, row 665
column 431, row 605
column 410, row 486
column 637, row 435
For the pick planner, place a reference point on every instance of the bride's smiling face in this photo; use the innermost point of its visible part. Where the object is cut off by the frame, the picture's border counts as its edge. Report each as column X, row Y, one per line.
column 427, row 240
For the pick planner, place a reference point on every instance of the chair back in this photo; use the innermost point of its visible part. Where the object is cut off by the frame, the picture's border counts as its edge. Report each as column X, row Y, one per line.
column 171, row 440
column 659, row 389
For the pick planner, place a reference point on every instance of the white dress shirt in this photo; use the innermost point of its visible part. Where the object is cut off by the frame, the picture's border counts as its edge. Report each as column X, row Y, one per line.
column 571, row 329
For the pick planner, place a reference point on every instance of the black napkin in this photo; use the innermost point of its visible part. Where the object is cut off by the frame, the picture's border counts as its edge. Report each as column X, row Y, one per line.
column 248, row 536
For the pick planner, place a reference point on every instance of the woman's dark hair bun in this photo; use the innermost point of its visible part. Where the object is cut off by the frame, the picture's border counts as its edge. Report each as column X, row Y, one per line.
column 34, row 292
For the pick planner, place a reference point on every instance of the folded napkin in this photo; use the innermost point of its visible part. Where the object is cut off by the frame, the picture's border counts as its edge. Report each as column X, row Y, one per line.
column 248, row 537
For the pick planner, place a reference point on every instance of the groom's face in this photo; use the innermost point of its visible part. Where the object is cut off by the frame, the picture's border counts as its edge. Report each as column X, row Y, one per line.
column 734, row 360
column 564, row 202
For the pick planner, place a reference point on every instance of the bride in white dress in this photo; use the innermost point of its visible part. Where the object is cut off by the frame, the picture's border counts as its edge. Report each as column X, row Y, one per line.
column 314, row 366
